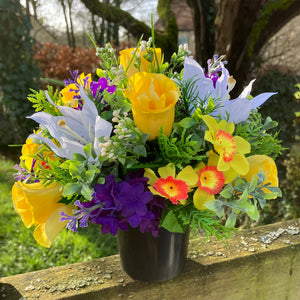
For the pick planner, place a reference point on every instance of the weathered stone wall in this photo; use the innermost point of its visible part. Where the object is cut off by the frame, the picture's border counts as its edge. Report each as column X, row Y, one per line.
column 261, row 263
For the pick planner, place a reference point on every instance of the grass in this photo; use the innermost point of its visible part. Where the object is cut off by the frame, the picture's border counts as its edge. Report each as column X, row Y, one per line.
column 19, row 252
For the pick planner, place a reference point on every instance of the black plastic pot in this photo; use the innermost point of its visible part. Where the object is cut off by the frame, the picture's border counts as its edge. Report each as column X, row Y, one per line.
column 148, row 258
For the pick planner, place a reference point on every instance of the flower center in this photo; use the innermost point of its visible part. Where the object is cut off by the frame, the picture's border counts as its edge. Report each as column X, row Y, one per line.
column 226, row 141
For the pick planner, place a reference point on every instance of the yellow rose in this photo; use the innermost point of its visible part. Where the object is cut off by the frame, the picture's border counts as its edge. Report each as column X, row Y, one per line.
column 145, row 66
column 38, row 205
column 153, row 97
column 267, row 165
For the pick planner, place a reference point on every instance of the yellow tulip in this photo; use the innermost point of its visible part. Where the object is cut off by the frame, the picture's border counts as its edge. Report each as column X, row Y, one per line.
column 145, row 65
column 153, row 98
column 267, row 165
column 38, row 205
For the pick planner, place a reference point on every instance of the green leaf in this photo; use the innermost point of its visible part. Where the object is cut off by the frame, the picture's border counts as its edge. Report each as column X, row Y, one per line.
column 210, row 105
column 171, row 223
column 88, row 150
column 216, row 206
column 89, row 175
column 270, row 195
column 188, row 123
column 253, row 213
column 71, row 188
column 230, row 222
column 140, row 150
column 75, row 169
column 86, row 192
column 65, row 165
column 253, row 184
column 78, row 157
column 227, row 191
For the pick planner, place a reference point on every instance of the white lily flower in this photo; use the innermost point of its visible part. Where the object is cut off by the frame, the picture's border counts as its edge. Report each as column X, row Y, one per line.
column 239, row 108
column 74, row 129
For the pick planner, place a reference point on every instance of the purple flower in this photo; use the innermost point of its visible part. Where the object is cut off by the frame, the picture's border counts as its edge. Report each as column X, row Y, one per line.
column 97, row 89
column 115, row 205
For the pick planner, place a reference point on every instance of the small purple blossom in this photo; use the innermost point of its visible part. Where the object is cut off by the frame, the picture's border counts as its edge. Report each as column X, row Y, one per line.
column 115, row 205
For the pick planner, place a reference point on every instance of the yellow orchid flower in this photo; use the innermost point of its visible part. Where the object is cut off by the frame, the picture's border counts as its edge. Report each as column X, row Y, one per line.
column 231, row 149
column 267, row 165
column 153, row 97
column 175, row 188
column 38, row 205
column 145, row 65
column 72, row 90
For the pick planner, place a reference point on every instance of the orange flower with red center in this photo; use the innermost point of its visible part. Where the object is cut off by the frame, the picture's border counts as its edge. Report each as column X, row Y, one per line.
column 211, row 180
column 170, row 186
column 231, row 149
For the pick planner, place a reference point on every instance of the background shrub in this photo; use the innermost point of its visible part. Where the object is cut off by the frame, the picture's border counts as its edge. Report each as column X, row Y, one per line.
column 18, row 72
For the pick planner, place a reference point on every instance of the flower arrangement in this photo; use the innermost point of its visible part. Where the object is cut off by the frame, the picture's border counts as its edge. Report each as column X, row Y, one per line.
column 147, row 144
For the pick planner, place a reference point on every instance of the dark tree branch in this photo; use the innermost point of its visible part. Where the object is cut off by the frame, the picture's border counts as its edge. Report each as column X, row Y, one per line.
column 167, row 40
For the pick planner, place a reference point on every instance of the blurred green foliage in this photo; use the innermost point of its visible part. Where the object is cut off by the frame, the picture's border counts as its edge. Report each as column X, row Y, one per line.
column 18, row 72
column 283, row 108
column 280, row 107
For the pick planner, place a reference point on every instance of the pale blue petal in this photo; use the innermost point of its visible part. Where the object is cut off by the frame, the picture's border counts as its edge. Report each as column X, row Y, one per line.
column 192, row 69
column 238, row 110
column 247, row 90
column 261, row 99
column 102, row 128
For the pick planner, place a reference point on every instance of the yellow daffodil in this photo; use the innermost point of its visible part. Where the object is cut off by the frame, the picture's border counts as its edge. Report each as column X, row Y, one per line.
column 153, row 97
column 38, row 205
column 267, row 165
column 231, row 149
column 175, row 188
column 145, row 65
column 72, row 90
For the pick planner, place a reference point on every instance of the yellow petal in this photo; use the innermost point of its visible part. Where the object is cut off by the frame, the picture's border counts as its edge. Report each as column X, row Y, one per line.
column 168, row 170
column 210, row 122
column 151, row 175
column 200, row 198
column 240, row 164
column 200, row 166
column 153, row 98
column 45, row 233
column 213, row 160
column 42, row 200
column 21, row 206
column 188, row 175
column 241, row 145
column 267, row 165
column 228, row 127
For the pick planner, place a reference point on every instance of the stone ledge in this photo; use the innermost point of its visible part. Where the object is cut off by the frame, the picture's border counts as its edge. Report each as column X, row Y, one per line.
column 261, row 263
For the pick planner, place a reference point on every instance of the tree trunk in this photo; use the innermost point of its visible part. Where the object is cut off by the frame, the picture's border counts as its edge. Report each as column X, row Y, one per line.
column 204, row 13
column 62, row 2
column 72, row 37
column 251, row 24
